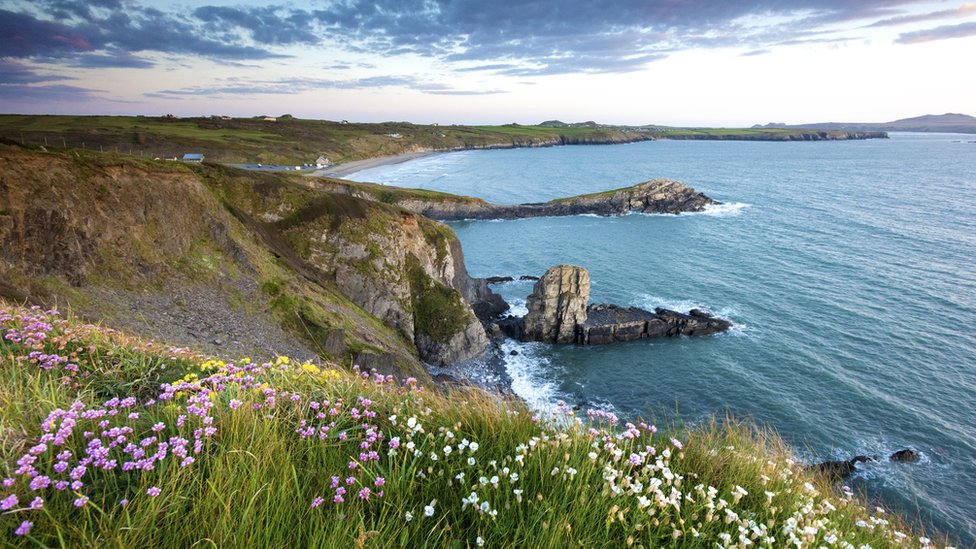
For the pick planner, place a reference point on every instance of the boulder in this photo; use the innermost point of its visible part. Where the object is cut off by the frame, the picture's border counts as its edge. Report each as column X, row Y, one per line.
column 557, row 305
column 904, row 456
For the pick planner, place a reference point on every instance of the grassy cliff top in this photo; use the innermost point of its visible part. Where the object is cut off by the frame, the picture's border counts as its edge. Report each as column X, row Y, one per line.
column 111, row 441
column 292, row 141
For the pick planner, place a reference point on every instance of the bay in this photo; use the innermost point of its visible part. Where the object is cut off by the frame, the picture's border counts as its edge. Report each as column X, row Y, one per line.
column 849, row 269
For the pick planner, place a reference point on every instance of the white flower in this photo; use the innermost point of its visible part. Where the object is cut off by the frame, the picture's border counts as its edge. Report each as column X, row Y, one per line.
column 411, row 422
column 471, row 461
column 429, row 509
column 830, row 538
column 494, row 481
column 483, row 480
column 473, row 447
column 480, row 541
column 592, row 456
column 514, row 476
column 448, row 450
column 408, row 516
column 449, row 435
column 433, row 456
column 410, row 445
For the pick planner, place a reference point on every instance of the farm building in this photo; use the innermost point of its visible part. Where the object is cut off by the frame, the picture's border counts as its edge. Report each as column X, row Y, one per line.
column 194, row 158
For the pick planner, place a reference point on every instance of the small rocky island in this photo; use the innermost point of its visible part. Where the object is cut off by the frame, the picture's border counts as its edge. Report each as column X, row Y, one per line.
column 559, row 313
column 657, row 196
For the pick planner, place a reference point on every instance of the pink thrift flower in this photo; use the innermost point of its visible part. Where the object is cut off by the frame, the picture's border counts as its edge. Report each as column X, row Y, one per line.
column 364, row 494
column 37, row 503
column 317, row 501
column 380, row 481
column 234, row 404
column 153, row 491
column 8, row 502
column 24, row 528
column 677, row 443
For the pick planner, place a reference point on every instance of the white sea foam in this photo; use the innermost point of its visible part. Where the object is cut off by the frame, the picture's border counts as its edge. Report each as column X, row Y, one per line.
column 531, row 374
column 726, row 209
column 518, row 307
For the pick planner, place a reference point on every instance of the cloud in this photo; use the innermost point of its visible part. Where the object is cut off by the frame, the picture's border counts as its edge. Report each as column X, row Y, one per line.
column 945, row 32
column 290, row 86
column 964, row 10
column 55, row 93
column 16, row 73
column 265, row 25
column 522, row 38
column 65, row 30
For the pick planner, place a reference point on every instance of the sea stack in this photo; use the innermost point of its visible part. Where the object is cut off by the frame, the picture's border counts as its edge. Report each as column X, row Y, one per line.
column 557, row 305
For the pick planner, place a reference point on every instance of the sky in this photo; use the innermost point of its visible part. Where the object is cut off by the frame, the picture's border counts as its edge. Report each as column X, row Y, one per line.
column 673, row 62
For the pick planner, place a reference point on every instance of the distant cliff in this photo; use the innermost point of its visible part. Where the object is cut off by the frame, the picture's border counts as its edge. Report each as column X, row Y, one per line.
column 655, row 196
column 947, row 123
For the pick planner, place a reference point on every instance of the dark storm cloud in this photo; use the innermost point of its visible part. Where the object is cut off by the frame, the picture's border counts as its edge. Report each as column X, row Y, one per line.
column 946, row 32
column 511, row 37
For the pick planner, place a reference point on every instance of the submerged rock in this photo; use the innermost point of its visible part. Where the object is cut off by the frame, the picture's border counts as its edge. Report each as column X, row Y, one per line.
column 904, row 456
column 840, row 469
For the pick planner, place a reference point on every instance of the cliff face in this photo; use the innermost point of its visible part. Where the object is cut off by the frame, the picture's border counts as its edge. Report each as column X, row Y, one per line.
column 405, row 270
column 234, row 262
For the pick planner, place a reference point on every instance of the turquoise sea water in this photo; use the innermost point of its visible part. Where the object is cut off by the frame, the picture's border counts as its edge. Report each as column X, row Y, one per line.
column 849, row 269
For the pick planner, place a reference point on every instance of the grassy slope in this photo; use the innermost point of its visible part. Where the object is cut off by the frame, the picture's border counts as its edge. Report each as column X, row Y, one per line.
column 295, row 141
column 254, row 478
column 308, row 305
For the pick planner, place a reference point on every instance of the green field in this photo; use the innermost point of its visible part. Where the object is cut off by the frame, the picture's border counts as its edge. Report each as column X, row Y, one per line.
column 293, row 141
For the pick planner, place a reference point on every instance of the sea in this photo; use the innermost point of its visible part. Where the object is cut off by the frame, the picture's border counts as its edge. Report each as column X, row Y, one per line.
column 848, row 268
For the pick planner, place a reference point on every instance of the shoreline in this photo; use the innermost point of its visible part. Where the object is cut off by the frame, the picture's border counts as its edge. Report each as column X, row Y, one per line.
column 341, row 171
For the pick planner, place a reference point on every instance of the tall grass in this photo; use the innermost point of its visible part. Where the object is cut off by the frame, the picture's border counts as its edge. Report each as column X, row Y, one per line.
column 107, row 441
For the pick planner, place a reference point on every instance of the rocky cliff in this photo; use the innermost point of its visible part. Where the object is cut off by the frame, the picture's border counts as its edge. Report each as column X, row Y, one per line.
column 234, row 262
column 655, row 196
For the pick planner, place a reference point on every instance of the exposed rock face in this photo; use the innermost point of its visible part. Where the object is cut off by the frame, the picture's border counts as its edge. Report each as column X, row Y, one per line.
column 655, row 196
column 557, row 305
column 904, row 456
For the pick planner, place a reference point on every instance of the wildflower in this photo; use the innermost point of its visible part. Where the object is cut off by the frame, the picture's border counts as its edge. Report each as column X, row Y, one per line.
column 37, row 503
column 364, row 494
column 737, row 493
column 319, row 500
column 81, row 502
column 8, row 502
column 24, row 528
column 123, row 502
column 429, row 509
column 153, row 491
column 480, row 541
column 408, row 516
column 158, row 427
column 380, row 481
column 471, row 461
column 676, row 443
column 473, row 447
column 234, row 404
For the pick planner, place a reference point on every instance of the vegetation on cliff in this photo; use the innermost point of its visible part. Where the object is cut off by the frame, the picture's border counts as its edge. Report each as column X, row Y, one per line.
column 107, row 440
column 222, row 259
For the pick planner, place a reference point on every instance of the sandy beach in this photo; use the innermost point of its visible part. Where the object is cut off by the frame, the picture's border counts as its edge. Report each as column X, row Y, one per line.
column 343, row 170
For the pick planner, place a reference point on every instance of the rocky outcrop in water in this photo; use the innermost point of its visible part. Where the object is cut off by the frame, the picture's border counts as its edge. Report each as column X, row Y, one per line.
column 557, row 305
column 558, row 313
column 840, row 469
column 655, row 196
